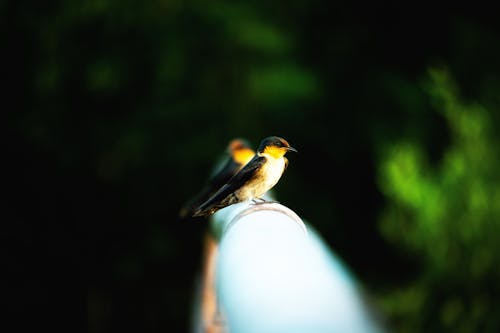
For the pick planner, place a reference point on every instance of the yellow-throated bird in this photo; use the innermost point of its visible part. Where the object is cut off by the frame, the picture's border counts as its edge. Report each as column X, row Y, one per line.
column 239, row 153
column 256, row 178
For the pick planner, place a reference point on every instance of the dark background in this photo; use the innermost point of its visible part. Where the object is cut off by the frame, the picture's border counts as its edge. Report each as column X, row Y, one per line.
column 117, row 110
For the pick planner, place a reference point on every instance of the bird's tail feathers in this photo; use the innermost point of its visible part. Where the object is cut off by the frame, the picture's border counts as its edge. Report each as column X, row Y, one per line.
column 214, row 204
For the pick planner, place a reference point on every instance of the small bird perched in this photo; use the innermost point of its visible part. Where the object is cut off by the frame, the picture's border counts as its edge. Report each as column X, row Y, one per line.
column 239, row 153
column 256, row 178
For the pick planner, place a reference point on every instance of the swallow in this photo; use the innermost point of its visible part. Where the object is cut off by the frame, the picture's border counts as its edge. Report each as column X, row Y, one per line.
column 239, row 153
column 256, row 178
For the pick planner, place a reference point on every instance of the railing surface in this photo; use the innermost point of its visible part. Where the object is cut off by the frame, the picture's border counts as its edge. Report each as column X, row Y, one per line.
column 274, row 274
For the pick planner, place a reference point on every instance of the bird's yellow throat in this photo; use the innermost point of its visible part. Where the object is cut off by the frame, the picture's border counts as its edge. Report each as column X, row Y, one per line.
column 275, row 152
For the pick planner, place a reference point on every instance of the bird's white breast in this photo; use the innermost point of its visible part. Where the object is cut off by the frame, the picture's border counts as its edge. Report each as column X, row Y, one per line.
column 271, row 171
column 267, row 177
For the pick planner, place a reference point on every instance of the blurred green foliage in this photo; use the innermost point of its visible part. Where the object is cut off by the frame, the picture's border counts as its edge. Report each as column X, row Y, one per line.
column 447, row 215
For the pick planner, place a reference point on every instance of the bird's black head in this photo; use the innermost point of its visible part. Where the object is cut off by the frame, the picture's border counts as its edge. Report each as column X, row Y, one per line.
column 275, row 146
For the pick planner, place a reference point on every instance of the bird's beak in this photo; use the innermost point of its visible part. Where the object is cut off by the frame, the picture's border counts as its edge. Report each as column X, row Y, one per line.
column 292, row 149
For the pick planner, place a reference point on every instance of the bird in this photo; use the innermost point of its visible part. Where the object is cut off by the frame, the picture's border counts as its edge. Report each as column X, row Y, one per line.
column 256, row 178
column 238, row 153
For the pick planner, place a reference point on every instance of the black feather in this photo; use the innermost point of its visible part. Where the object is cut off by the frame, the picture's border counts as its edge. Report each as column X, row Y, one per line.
column 226, row 196
column 228, row 170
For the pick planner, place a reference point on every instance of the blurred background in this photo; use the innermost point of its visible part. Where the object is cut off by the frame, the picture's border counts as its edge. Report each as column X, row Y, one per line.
column 117, row 110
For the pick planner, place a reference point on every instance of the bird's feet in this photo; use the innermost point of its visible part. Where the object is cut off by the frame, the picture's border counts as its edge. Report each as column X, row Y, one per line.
column 260, row 201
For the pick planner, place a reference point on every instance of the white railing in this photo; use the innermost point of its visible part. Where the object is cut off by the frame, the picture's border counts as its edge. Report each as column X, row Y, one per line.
column 274, row 274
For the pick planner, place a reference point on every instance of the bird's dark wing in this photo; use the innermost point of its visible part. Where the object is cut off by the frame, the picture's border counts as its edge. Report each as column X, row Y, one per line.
column 229, row 169
column 225, row 196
